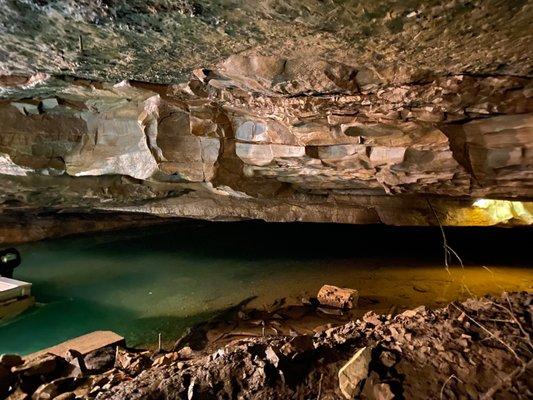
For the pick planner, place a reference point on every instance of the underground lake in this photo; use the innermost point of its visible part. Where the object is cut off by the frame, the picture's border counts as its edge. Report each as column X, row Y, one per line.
column 163, row 279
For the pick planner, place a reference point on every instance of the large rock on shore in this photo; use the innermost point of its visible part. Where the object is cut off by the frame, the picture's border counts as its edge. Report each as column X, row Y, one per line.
column 354, row 372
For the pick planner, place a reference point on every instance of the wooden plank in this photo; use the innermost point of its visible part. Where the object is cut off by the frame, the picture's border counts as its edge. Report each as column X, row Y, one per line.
column 14, row 307
column 84, row 344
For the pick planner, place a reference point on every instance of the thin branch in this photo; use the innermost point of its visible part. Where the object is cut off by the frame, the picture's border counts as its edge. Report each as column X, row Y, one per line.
column 489, row 333
column 456, row 256
column 448, row 250
column 488, row 269
column 444, row 241
column 319, row 387
column 513, row 316
column 489, row 394
column 452, row 376
column 515, row 320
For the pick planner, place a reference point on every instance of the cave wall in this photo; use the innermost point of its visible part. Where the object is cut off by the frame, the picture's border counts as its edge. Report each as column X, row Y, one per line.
column 231, row 147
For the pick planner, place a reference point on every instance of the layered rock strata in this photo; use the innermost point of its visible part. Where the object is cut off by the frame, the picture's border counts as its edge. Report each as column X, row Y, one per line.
column 273, row 139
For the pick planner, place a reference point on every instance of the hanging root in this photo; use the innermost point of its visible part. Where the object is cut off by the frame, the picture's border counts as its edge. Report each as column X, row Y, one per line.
column 448, row 250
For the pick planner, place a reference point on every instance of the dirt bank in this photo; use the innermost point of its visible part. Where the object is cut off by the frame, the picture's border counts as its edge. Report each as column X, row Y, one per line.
column 479, row 348
column 464, row 350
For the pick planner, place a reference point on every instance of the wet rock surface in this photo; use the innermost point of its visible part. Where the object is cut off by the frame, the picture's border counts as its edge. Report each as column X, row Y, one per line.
column 479, row 348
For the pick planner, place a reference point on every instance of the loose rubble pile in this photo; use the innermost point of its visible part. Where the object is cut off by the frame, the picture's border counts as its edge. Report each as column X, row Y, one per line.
column 480, row 348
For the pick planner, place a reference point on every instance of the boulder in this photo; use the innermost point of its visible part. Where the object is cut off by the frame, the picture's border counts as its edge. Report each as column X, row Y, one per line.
column 100, row 360
column 354, row 372
column 334, row 296
column 11, row 360
column 41, row 365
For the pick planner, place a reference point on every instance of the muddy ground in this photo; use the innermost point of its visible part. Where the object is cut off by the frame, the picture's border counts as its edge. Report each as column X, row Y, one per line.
column 477, row 349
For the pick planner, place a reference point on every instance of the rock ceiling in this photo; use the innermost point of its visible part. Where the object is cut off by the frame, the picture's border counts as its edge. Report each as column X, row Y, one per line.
column 403, row 113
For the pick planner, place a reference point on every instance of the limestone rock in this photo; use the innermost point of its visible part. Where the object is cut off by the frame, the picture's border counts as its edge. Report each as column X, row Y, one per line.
column 264, row 154
column 266, row 118
column 185, row 353
column 41, row 365
column 8, row 167
column 11, row 360
column 116, row 140
column 334, row 296
column 132, row 363
column 500, row 149
column 376, row 390
column 190, row 157
column 165, row 359
column 353, row 372
column 100, row 360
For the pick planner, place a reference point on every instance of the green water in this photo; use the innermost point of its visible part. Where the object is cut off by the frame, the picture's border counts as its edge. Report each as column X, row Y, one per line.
column 163, row 279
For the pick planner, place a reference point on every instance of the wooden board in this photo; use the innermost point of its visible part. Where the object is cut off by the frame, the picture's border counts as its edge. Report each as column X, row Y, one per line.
column 84, row 344
column 14, row 307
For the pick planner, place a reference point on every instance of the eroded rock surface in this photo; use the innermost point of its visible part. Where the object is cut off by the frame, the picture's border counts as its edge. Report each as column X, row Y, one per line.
column 220, row 148
column 163, row 40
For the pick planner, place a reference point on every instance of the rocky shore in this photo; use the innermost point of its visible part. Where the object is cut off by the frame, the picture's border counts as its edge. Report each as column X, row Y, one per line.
column 479, row 348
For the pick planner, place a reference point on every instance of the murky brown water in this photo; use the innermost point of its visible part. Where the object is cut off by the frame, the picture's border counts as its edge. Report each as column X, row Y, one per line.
column 404, row 285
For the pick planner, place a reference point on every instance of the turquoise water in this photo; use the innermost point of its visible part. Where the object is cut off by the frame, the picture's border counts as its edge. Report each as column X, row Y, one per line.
column 163, row 279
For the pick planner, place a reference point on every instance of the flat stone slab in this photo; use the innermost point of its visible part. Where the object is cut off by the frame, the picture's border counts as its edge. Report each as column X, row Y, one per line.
column 84, row 344
column 14, row 307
